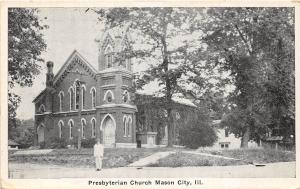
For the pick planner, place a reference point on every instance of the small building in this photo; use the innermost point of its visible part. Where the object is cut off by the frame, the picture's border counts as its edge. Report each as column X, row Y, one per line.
column 227, row 140
column 12, row 145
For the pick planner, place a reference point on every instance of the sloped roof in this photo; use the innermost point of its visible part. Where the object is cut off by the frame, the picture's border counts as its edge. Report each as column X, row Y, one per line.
column 68, row 62
column 39, row 95
column 178, row 100
column 64, row 67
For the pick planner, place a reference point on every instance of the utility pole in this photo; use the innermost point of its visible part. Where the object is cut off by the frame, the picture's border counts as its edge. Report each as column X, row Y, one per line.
column 79, row 83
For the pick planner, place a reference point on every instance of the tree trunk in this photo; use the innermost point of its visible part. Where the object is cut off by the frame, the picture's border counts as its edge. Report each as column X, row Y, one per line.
column 170, row 128
column 245, row 138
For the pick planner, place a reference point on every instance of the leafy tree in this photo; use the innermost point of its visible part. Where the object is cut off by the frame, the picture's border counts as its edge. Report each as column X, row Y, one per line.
column 25, row 45
column 198, row 133
column 256, row 46
column 162, row 37
column 27, row 140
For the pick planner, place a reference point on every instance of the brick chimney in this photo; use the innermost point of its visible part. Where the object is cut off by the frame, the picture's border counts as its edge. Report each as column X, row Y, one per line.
column 49, row 75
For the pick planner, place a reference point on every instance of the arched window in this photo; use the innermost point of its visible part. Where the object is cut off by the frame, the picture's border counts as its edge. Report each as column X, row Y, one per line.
column 127, row 62
column 77, row 94
column 108, row 96
column 177, row 115
column 125, row 125
column 42, row 109
column 71, row 94
column 129, row 126
column 108, row 56
column 83, row 125
column 71, row 125
column 61, row 100
column 60, row 126
column 83, row 91
column 41, row 132
column 93, row 92
column 93, row 127
column 125, row 96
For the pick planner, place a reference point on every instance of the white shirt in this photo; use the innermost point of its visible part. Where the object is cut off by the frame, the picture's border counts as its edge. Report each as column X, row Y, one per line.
column 98, row 150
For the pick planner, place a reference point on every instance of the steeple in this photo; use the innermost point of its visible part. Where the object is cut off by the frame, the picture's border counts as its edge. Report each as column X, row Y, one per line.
column 112, row 50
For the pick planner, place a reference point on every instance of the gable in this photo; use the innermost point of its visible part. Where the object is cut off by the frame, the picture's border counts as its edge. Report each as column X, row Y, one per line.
column 108, row 41
column 75, row 60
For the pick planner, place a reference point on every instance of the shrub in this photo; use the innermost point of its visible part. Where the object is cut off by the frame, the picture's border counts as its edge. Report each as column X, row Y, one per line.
column 42, row 145
column 57, row 142
column 27, row 140
column 88, row 143
column 197, row 134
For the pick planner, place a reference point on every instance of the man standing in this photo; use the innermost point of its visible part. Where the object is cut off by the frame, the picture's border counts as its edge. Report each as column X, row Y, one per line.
column 98, row 154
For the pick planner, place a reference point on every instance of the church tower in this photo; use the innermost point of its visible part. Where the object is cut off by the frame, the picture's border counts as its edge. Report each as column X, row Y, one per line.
column 115, row 110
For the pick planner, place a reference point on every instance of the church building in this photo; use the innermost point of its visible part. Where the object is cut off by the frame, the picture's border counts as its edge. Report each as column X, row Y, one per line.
column 81, row 100
column 106, row 107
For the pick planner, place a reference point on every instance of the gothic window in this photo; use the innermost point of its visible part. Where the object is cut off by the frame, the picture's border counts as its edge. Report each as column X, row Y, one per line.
column 71, row 125
column 108, row 96
column 93, row 127
column 165, row 113
column 108, row 56
column 93, row 91
column 61, row 100
column 127, row 64
column 42, row 109
column 77, row 95
column 83, row 124
column 125, row 96
column 60, row 126
column 83, row 91
column 125, row 125
column 177, row 116
column 71, row 93
column 129, row 126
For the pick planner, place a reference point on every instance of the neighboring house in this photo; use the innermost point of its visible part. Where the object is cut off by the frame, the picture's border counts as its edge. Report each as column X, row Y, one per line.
column 12, row 145
column 108, row 110
column 227, row 140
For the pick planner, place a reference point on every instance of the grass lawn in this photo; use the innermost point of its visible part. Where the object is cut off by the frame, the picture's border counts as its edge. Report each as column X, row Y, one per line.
column 260, row 155
column 113, row 157
column 247, row 156
column 120, row 157
column 180, row 159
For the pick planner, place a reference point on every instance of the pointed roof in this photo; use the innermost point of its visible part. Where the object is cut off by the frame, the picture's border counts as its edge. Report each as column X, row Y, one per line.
column 118, row 35
column 75, row 54
column 69, row 61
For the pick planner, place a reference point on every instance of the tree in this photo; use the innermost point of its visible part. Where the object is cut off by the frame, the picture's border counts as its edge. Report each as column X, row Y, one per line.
column 244, row 42
column 198, row 132
column 162, row 38
column 25, row 45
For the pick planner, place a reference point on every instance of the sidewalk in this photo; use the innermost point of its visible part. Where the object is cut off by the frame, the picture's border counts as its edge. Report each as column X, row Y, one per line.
column 272, row 170
column 150, row 159
column 210, row 155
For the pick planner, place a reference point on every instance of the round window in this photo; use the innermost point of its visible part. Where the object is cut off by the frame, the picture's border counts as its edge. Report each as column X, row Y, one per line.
column 109, row 99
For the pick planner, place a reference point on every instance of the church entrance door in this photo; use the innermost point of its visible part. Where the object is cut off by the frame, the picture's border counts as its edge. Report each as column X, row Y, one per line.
column 108, row 132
